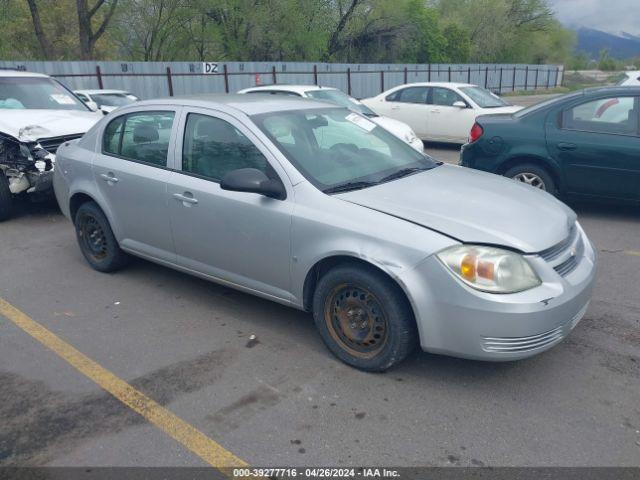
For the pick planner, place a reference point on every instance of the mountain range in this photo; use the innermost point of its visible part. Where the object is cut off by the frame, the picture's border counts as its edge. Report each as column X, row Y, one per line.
column 622, row 45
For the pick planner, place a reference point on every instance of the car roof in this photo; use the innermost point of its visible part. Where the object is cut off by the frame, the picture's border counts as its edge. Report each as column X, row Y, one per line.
column 437, row 84
column 19, row 73
column 300, row 88
column 622, row 89
column 248, row 104
column 99, row 91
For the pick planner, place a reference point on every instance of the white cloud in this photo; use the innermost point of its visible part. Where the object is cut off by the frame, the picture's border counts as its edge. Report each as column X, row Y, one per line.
column 609, row 15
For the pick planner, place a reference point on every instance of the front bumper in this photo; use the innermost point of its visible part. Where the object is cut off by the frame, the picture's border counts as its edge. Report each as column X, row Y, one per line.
column 457, row 320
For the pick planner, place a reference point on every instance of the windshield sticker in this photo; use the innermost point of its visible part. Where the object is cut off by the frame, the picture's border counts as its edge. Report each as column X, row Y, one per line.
column 361, row 122
column 62, row 99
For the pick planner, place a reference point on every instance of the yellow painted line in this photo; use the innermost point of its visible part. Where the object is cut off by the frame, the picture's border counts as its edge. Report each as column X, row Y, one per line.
column 633, row 253
column 193, row 439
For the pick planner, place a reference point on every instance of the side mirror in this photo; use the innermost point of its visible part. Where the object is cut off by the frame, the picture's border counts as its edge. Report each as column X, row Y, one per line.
column 254, row 181
column 92, row 105
column 460, row 104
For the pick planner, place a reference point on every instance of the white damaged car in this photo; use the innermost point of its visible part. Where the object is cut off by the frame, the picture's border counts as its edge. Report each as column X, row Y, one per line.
column 37, row 115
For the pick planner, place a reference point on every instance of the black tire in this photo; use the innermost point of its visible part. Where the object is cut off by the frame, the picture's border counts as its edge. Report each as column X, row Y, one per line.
column 353, row 294
column 96, row 240
column 6, row 198
column 541, row 173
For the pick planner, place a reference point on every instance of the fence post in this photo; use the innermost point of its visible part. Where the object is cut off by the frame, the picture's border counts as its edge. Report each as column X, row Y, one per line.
column 500, row 84
column 273, row 75
column 99, row 75
column 526, row 77
column 469, row 75
column 315, row 75
column 548, row 77
column 429, row 73
column 381, row 80
column 169, row 81
column 449, row 73
column 349, row 80
column 405, row 75
column 226, row 78
column 536, row 80
column 486, row 77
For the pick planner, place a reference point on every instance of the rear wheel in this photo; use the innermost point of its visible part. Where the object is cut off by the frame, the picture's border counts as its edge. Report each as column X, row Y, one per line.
column 534, row 176
column 6, row 197
column 364, row 318
column 97, row 242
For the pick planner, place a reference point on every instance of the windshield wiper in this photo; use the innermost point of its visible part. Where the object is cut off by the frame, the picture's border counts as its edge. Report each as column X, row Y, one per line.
column 402, row 173
column 349, row 186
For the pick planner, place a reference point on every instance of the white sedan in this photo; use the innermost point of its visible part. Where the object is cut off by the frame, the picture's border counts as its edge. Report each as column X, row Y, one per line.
column 630, row 79
column 105, row 100
column 338, row 97
column 441, row 112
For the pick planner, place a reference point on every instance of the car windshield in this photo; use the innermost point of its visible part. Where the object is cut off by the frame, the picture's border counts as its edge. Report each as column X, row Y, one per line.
column 484, row 98
column 339, row 150
column 112, row 99
column 36, row 93
column 342, row 99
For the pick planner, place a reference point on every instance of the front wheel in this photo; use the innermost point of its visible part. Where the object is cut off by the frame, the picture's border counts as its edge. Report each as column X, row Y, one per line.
column 97, row 242
column 534, row 176
column 6, row 198
column 364, row 318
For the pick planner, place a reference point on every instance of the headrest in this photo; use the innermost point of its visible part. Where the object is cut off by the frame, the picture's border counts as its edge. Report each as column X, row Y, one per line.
column 145, row 134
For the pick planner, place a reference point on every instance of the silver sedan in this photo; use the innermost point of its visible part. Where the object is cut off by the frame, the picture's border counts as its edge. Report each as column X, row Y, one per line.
column 316, row 207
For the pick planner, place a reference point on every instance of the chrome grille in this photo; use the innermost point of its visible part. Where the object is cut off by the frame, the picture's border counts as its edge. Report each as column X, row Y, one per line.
column 521, row 344
column 51, row 144
column 565, row 256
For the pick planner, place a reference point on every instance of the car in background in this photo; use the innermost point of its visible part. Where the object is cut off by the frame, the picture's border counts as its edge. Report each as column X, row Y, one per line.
column 316, row 207
column 439, row 112
column 631, row 78
column 37, row 115
column 338, row 97
column 584, row 144
column 105, row 100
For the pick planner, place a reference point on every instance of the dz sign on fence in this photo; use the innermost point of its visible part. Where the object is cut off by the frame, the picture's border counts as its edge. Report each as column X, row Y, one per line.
column 209, row 67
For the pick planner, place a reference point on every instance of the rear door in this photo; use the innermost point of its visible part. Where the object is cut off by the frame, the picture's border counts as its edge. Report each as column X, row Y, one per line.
column 131, row 173
column 408, row 105
column 597, row 144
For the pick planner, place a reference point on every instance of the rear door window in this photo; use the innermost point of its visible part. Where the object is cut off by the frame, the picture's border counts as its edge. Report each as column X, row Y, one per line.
column 614, row 115
column 409, row 95
column 141, row 137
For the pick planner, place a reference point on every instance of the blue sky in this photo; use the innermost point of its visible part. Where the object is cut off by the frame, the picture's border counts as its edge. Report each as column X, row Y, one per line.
column 608, row 15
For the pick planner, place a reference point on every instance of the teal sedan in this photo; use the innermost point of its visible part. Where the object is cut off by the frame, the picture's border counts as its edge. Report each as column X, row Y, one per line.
column 582, row 145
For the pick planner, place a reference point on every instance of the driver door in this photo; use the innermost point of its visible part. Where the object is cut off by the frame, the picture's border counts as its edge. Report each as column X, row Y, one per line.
column 237, row 237
column 449, row 123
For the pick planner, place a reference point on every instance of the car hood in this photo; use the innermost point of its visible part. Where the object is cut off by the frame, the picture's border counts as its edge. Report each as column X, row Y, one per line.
column 399, row 129
column 51, row 123
column 472, row 207
column 501, row 110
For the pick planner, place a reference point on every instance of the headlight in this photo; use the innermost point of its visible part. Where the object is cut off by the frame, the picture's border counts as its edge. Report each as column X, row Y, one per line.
column 490, row 269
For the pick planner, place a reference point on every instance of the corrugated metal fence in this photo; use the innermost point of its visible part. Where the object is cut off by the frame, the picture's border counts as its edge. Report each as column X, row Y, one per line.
column 158, row 79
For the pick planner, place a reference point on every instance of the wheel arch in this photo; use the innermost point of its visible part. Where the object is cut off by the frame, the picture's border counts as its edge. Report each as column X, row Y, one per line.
column 542, row 162
column 327, row 263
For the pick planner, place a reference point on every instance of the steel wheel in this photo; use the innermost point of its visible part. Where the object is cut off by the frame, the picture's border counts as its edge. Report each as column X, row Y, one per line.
column 356, row 320
column 531, row 179
column 93, row 237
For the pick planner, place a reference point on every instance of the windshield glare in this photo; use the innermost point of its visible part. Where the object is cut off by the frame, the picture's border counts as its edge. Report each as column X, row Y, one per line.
column 112, row 99
column 334, row 147
column 341, row 99
column 36, row 93
column 484, row 98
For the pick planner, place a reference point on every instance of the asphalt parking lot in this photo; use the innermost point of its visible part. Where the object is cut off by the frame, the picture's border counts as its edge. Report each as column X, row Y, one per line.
column 254, row 376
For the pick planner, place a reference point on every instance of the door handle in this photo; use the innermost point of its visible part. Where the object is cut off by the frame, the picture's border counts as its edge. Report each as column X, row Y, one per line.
column 567, row 146
column 395, row 107
column 186, row 198
column 435, row 111
column 109, row 177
